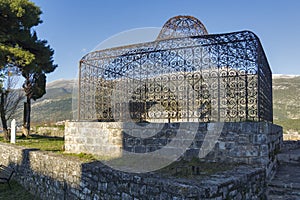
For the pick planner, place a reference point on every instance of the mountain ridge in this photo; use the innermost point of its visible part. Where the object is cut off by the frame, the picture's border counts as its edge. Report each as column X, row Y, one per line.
column 56, row 104
column 276, row 76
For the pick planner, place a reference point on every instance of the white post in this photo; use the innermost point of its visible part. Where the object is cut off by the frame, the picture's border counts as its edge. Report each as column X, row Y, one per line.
column 13, row 131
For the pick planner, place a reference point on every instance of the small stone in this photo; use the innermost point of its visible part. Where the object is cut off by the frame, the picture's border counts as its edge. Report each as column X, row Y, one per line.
column 86, row 191
column 126, row 196
column 96, row 197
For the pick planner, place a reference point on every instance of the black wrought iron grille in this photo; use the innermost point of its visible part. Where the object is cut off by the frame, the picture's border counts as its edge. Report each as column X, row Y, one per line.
column 186, row 78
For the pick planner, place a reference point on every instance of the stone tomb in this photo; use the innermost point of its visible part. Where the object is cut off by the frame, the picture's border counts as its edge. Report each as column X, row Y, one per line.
column 188, row 94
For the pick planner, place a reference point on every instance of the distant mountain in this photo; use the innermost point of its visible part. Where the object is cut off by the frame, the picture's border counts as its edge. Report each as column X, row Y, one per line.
column 56, row 105
column 286, row 102
column 281, row 76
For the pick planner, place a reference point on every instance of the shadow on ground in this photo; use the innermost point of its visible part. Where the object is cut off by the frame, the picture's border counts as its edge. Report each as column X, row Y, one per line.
column 16, row 192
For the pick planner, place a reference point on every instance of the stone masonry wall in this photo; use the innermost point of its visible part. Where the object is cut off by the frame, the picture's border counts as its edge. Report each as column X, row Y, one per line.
column 53, row 176
column 241, row 142
column 49, row 131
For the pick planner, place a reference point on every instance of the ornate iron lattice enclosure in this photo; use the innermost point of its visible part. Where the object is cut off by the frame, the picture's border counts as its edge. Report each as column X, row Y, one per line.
column 184, row 75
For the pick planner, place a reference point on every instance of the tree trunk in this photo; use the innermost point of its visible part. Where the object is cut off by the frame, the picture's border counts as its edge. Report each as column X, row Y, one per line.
column 27, row 107
column 6, row 134
column 26, row 122
column 28, row 114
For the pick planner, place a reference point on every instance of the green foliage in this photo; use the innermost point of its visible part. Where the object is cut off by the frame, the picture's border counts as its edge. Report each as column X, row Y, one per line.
column 16, row 55
column 21, row 11
column 21, row 48
column 38, row 87
column 17, row 17
column 34, row 73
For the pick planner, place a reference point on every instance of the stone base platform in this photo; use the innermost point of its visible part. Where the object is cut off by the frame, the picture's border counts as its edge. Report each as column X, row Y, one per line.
column 255, row 143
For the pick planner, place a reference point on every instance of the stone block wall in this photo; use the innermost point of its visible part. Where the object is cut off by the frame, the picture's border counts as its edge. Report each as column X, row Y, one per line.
column 57, row 177
column 49, row 131
column 239, row 142
column 100, row 138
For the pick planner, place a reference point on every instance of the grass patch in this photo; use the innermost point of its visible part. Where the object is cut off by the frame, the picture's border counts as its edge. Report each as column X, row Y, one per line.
column 195, row 168
column 44, row 143
column 50, row 144
column 82, row 156
column 16, row 192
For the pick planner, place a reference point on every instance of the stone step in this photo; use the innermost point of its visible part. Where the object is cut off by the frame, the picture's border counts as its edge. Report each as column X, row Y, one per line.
column 282, row 197
column 283, row 191
column 292, row 156
column 285, row 185
column 280, row 184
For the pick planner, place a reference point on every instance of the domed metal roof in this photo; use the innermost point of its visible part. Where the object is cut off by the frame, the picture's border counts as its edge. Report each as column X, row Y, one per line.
column 182, row 26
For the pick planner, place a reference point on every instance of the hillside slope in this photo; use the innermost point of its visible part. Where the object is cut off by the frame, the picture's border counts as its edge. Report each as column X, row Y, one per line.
column 55, row 105
column 286, row 102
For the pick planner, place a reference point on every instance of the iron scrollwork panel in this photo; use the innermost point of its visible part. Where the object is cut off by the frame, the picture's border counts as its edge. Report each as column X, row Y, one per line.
column 202, row 78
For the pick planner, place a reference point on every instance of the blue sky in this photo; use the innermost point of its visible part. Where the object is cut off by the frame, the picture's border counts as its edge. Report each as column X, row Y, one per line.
column 75, row 27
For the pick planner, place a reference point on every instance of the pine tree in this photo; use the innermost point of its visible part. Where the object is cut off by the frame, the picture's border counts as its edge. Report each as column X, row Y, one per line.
column 21, row 48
